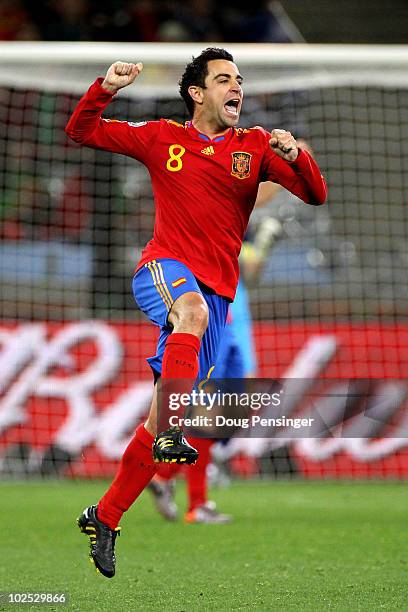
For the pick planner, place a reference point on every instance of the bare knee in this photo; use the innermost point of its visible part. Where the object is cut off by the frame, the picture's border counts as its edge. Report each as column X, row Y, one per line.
column 189, row 314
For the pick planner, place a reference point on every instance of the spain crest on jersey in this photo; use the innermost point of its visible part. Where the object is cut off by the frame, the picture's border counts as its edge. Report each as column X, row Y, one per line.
column 241, row 164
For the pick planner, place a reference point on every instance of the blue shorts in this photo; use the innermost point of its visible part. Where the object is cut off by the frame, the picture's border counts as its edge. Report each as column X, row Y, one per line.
column 156, row 286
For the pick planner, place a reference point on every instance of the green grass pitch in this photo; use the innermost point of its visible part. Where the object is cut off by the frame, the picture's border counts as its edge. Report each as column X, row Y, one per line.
column 293, row 546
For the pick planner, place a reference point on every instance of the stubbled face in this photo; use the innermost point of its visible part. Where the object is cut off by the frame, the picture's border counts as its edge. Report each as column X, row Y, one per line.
column 222, row 95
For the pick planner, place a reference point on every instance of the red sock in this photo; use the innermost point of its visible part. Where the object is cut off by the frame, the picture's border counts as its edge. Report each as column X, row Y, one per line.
column 136, row 469
column 179, row 372
column 196, row 475
column 167, row 471
column 180, row 358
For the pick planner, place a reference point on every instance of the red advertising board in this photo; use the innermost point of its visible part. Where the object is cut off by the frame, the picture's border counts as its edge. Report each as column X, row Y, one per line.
column 83, row 387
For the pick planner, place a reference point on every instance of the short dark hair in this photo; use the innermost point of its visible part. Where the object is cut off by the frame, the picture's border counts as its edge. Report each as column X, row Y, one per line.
column 196, row 72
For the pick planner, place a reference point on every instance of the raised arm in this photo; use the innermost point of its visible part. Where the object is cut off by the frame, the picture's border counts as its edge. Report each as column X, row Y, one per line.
column 121, row 74
column 87, row 127
column 294, row 168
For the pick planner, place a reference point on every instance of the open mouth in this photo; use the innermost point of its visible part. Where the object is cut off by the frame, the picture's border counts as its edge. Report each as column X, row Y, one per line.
column 231, row 107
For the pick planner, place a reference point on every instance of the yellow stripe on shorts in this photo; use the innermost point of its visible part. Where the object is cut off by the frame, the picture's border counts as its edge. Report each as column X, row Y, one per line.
column 156, row 281
column 159, row 283
column 162, row 280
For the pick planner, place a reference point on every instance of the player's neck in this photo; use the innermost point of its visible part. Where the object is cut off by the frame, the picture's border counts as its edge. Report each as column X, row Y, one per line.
column 208, row 128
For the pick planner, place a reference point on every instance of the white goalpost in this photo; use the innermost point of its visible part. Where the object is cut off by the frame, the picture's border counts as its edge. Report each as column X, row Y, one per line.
column 40, row 64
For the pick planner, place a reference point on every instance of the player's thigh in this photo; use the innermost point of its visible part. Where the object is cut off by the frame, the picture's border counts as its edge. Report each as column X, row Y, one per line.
column 158, row 285
column 189, row 314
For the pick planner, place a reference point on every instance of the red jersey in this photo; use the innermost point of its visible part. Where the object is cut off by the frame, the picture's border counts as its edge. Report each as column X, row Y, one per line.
column 204, row 190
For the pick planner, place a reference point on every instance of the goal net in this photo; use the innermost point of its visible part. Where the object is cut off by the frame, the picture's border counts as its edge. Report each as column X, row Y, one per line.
column 330, row 302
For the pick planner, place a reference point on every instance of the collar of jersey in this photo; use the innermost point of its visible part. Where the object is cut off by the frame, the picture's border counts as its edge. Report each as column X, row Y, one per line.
column 196, row 133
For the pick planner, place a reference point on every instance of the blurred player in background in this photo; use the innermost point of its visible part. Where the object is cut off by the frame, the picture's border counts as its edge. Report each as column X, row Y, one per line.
column 205, row 176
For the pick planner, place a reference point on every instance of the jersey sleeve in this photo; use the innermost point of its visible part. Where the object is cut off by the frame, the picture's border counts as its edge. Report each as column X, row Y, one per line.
column 87, row 127
column 301, row 177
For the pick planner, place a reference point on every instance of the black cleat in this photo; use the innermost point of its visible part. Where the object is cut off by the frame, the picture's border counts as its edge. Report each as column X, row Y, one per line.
column 102, row 541
column 170, row 446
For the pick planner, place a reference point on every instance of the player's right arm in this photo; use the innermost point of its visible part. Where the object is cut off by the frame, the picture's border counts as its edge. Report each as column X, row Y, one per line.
column 121, row 74
column 87, row 127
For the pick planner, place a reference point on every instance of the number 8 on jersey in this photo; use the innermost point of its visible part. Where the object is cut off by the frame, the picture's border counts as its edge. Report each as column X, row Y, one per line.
column 175, row 163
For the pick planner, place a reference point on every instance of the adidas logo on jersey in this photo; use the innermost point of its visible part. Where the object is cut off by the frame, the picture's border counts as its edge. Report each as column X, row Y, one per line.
column 208, row 150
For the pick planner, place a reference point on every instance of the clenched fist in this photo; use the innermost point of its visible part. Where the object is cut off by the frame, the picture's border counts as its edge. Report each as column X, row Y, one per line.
column 284, row 145
column 121, row 74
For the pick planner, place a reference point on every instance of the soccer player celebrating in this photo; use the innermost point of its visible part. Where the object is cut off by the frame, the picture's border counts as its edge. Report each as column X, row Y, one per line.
column 205, row 176
column 236, row 358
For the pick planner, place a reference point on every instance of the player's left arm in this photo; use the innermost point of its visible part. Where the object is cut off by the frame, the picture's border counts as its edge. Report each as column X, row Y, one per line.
column 268, row 191
column 294, row 168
